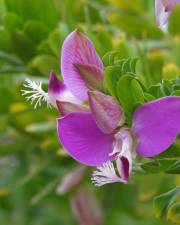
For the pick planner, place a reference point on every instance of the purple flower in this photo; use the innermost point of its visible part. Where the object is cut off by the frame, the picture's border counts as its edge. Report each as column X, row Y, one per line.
column 123, row 157
column 81, row 69
column 85, row 207
column 71, row 180
column 93, row 131
column 86, row 143
column 88, row 135
column 156, row 125
column 163, row 9
column 94, row 139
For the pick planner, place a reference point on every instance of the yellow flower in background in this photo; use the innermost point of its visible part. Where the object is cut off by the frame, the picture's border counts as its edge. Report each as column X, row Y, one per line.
column 17, row 107
column 127, row 5
column 170, row 71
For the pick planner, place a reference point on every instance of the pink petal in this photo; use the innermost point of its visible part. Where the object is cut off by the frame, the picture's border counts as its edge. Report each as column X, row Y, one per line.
column 58, row 91
column 107, row 113
column 91, row 75
column 83, row 140
column 170, row 5
column 123, row 168
column 71, row 180
column 124, row 143
column 163, row 9
column 85, row 207
column 156, row 125
column 68, row 107
column 161, row 14
column 78, row 49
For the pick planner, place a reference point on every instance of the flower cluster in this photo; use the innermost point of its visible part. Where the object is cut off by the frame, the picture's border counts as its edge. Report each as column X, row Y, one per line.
column 92, row 124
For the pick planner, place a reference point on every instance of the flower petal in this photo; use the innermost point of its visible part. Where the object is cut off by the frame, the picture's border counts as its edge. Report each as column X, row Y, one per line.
column 123, row 167
column 124, row 143
column 107, row 113
column 91, row 75
column 78, row 49
column 161, row 14
column 58, row 91
column 83, row 140
column 71, row 180
column 68, row 107
column 170, row 5
column 156, row 125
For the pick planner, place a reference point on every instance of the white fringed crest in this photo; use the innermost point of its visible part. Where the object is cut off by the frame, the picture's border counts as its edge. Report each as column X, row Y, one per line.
column 35, row 93
column 106, row 174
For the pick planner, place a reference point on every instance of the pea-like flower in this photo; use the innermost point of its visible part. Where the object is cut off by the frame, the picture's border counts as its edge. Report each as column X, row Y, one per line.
column 91, row 126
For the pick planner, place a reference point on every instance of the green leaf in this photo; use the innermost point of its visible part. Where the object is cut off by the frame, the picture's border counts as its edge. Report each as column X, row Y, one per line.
column 36, row 31
column 111, row 77
column 176, row 93
column 174, row 27
column 43, row 11
column 158, row 166
column 137, row 91
column 163, row 202
column 148, row 97
column 129, row 92
column 173, row 215
column 5, row 40
column 44, row 47
column 12, row 21
column 23, row 45
column 110, row 57
column 174, row 169
column 136, row 25
column 55, row 40
column 166, row 87
column 126, row 66
column 133, row 63
column 155, row 90
column 105, row 40
column 45, row 63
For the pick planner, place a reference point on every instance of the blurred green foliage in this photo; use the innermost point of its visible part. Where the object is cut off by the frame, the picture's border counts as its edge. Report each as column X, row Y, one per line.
column 32, row 162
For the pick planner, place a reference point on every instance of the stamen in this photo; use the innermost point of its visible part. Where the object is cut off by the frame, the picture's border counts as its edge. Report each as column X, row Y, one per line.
column 106, row 174
column 35, row 93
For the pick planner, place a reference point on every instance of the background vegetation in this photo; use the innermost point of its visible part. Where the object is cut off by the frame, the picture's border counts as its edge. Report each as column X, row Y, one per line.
column 32, row 163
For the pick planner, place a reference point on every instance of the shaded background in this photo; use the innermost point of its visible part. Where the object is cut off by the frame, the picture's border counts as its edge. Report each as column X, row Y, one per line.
column 32, row 163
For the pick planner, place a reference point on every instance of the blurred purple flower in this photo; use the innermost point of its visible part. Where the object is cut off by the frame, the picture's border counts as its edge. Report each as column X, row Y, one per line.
column 71, row 180
column 163, row 9
column 85, row 208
